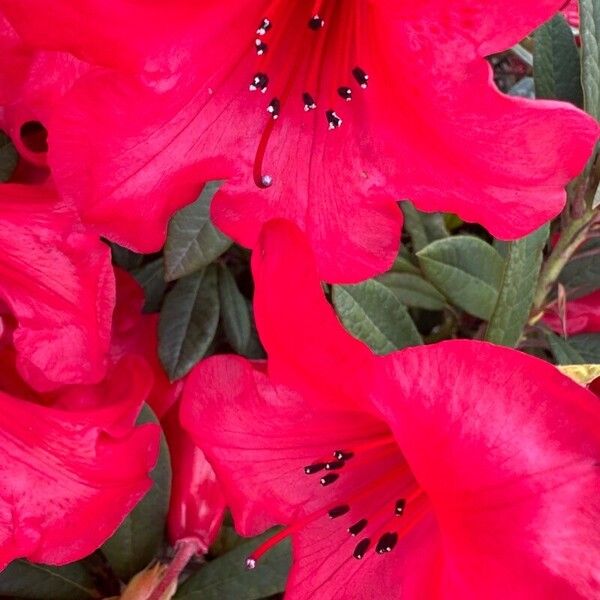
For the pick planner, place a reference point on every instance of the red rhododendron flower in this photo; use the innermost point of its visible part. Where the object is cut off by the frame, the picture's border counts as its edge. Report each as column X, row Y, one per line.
column 582, row 316
column 58, row 282
column 69, row 477
column 460, row 470
column 364, row 102
column 571, row 12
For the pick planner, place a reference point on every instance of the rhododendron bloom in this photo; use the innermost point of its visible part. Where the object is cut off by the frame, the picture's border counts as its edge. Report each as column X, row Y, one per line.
column 325, row 113
column 70, row 477
column 571, row 12
column 58, row 282
column 457, row 470
column 582, row 315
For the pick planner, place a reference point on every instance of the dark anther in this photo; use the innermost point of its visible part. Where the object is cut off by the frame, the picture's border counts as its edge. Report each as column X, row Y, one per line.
column 361, row 548
column 309, row 102
column 263, row 27
column 400, row 506
column 329, row 479
column 341, row 455
column 338, row 511
column 357, row 527
column 345, row 93
column 314, row 468
column 259, row 82
column 333, row 119
column 361, row 77
column 386, row 543
column 274, row 108
column 316, row 23
column 337, row 464
column 261, row 47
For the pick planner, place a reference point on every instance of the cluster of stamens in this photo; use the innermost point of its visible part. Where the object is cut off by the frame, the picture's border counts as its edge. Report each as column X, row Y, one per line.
column 260, row 81
column 387, row 540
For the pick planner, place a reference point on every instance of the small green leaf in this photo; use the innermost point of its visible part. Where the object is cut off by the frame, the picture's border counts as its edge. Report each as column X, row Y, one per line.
column 587, row 345
column 466, row 270
column 235, row 314
column 589, row 11
column 28, row 580
column 193, row 242
column 140, row 536
column 227, row 576
column 521, row 271
column 414, row 225
column 125, row 258
column 372, row 313
column 563, row 351
column 557, row 67
column 8, row 158
column 413, row 290
column 152, row 278
column 581, row 275
column 188, row 321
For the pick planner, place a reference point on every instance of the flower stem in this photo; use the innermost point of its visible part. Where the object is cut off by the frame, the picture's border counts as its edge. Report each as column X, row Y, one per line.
column 572, row 236
column 185, row 549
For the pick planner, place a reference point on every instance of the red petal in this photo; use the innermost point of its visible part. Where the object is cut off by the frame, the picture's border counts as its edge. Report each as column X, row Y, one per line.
column 583, row 316
column 58, row 282
column 506, row 448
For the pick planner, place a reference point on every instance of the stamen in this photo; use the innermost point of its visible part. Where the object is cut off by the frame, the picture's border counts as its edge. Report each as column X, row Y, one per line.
column 332, row 466
column 386, row 543
column 355, row 529
column 263, row 27
column 361, row 548
column 361, row 77
column 400, row 506
column 338, row 511
column 309, row 102
column 333, row 119
column 316, row 23
column 345, row 93
column 274, row 108
column 261, row 47
column 314, row 468
column 259, row 82
column 341, row 455
column 329, row 479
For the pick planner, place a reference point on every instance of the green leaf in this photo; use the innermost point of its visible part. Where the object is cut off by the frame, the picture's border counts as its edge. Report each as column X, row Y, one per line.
column 413, row 290
column 27, row 580
column 8, row 158
column 414, row 225
column 587, row 345
column 235, row 314
column 188, row 321
column 557, row 67
column 563, row 352
column 521, row 272
column 227, row 576
column 152, row 278
column 581, row 275
column 125, row 258
column 193, row 242
column 140, row 536
column 466, row 270
column 589, row 11
column 372, row 313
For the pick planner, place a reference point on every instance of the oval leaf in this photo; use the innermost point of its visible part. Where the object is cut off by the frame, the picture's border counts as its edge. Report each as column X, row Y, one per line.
column 563, row 352
column 139, row 538
column 188, row 321
column 227, row 577
column 193, row 242
column 372, row 313
column 152, row 278
column 235, row 313
column 589, row 11
column 466, row 270
column 413, row 290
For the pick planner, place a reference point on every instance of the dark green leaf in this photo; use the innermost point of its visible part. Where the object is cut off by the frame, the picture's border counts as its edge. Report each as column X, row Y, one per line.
column 521, row 271
column 140, row 536
column 235, row 314
column 589, row 11
column 581, row 276
column 414, row 225
column 563, row 352
column 125, row 258
column 193, row 242
column 557, row 67
column 227, row 578
column 587, row 345
column 188, row 321
column 413, row 290
column 466, row 270
column 152, row 278
column 24, row 579
column 373, row 314
column 8, row 158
